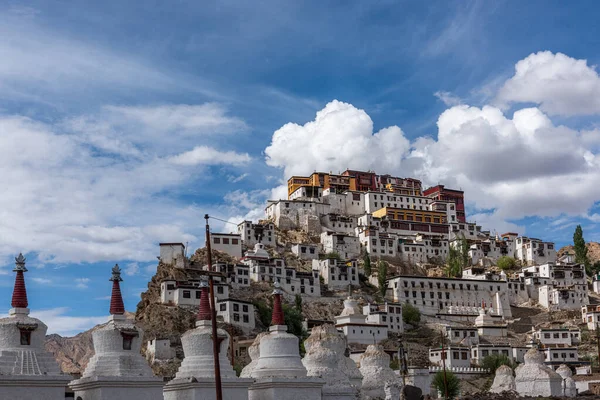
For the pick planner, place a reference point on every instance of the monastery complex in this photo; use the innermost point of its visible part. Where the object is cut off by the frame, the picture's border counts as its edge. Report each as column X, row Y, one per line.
column 314, row 247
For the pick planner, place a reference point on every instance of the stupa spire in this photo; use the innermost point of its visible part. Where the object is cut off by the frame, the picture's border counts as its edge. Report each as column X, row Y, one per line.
column 204, row 313
column 19, row 297
column 116, row 299
column 278, row 317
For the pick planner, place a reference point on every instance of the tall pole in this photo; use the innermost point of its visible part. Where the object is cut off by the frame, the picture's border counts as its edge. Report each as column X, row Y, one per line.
column 219, row 390
column 598, row 340
column 444, row 366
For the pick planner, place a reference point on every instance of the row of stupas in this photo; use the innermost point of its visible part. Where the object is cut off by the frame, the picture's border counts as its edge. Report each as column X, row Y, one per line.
column 118, row 371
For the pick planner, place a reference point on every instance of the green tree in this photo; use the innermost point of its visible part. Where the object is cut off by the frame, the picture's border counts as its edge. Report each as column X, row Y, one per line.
column 596, row 267
column 298, row 302
column 293, row 317
column 410, row 314
column 581, row 250
column 458, row 258
column 367, row 266
column 382, row 268
column 451, row 383
column 506, row 263
column 495, row 361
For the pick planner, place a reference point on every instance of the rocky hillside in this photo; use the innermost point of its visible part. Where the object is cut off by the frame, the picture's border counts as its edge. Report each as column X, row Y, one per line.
column 593, row 251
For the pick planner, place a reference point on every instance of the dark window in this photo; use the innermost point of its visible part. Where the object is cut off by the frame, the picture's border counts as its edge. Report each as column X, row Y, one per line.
column 170, row 286
column 236, row 317
column 225, row 240
column 245, row 318
column 220, row 289
column 217, row 240
column 25, row 337
column 186, row 294
column 236, row 307
column 234, row 241
column 245, row 308
column 223, row 307
column 198, row 292
column 127, row 339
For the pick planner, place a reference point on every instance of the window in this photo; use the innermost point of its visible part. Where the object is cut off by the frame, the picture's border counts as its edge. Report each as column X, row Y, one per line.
column 186, row 294
column 198, row 292
column 25, row 337
column 236, row 307
column 225, row 240
column 455, row 355
column 236, row 317
column 216, row 240
column 127, row 339
column 234, row 241
column 245, row 308
column 464, row 356
column 245, row 318
column 220, row 289
column 223, row 307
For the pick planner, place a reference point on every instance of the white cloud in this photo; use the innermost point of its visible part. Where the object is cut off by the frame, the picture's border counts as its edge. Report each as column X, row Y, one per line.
column 81, row 283
column 132, row 269
column 202, row 155
column 340, row 137
column 208, row 118
column 236, row 179
column 561, row 85
column 510, row 167
column 69, row 202
column 448, row 98
column 65, row 325
column 42, row 281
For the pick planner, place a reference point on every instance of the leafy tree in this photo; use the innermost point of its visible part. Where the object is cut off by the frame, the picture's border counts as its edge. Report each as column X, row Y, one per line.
column 581, row 250
column 506, row 263
column 333, row 255
column 458, row 258
column 382, row 268
column 367, row 261
column 596, row 267
column 293, row 317
column 298, row 302
column 410, row 314
column 495, row 361
column 452, row 384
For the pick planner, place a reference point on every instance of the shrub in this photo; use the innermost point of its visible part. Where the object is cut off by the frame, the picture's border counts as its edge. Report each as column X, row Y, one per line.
column 410, row 314
column 452, row 384
column 495, row 361
column 505, row 263
column 367, row 264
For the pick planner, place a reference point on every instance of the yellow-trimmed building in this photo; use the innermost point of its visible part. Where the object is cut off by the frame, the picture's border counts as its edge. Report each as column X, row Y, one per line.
column 403, row 214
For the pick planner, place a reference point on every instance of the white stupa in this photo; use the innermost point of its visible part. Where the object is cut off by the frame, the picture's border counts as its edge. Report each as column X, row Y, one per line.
column 279, row 372
column 195, row 378
column 534, row 378
column 378, row 377
column 27, row 371
column 325, row 358
column 569, row 385
column 117, row 371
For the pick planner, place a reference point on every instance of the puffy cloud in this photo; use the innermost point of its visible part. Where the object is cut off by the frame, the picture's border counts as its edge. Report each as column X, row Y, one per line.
column 340, row 137
column 561, row 85
column 508, row 167
column 132, row 269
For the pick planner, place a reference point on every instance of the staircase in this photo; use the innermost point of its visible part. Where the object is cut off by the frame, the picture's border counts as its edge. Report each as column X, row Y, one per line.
column 29, row 364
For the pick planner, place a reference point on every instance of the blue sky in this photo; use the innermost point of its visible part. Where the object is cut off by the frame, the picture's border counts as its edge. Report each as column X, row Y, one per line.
column 123, row 123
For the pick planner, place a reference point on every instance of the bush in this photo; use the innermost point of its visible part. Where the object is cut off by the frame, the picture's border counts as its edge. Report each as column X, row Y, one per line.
column 495, row 361
column 452, row 383
column 506, row 263
column 410, row 314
